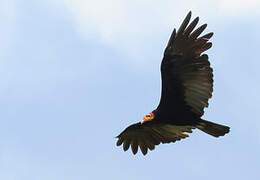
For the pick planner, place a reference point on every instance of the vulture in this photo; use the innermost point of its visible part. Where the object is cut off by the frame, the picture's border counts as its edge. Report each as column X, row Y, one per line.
column 187, row 85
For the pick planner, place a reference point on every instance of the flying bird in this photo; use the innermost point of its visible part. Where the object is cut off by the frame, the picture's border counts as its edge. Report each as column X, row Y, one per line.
column 187, row 85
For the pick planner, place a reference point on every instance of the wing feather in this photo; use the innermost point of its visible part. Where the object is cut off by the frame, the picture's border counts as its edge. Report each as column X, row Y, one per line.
column 187, row 78
column 148, row 135
column 197, row 32
column 134, row 146
column 191, row 26
column 184, row 23
column 126, row 144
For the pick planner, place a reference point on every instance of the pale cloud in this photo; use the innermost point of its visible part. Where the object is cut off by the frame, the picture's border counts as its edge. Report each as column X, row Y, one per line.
column 126, row 25
column 130, row 25
column 102, row 16
column 238, row 8
column 111, row 19
column 7, row 23
column 7, row 11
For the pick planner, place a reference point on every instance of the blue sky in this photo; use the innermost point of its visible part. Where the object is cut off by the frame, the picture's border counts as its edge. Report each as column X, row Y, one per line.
column 75, row 74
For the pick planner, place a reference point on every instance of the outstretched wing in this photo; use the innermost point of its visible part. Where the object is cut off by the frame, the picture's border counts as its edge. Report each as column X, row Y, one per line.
column 187, row 78
column 149, row 134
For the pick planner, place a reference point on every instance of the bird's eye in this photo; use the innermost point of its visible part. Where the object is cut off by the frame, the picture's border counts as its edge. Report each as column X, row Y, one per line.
column 148, row 115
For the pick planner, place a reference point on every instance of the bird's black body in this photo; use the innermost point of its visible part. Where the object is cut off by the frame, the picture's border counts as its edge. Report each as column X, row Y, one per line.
column 187, row 85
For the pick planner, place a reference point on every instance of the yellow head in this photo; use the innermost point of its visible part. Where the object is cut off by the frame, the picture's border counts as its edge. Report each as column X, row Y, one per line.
column 147, row 117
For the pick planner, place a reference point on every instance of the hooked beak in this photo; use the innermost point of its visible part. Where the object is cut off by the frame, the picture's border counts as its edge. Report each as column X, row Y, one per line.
column 145, row 120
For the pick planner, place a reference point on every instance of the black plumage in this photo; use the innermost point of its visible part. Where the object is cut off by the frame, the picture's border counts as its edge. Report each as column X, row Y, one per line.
column 187, row 85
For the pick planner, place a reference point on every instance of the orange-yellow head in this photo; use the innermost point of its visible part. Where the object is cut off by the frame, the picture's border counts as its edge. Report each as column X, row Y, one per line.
column 147, row 117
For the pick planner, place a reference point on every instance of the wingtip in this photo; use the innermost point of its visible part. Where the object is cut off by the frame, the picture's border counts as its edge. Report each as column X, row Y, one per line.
column 134, row 153
column 192, row 25
column 188, row 15
column 144, row 151
column 210, row 35
column 204, row 25
column 172, row 38
column 184, row 23
column 198, row 31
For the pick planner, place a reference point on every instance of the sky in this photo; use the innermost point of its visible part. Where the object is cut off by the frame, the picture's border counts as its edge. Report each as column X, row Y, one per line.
column 74, row 74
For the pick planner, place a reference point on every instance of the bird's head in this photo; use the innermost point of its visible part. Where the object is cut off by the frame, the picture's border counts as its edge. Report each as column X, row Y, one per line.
column 148, row 117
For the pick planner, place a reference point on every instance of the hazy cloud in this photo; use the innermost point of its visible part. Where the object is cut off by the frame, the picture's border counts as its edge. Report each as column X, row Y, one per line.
column 7, row 23
column 109, row 20
column 239, row 8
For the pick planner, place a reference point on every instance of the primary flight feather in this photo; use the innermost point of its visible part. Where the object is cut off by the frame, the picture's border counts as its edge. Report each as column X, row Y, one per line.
column 187, row 85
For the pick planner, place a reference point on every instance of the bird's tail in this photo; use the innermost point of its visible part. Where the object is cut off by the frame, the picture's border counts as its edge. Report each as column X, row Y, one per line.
column 211, row 128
